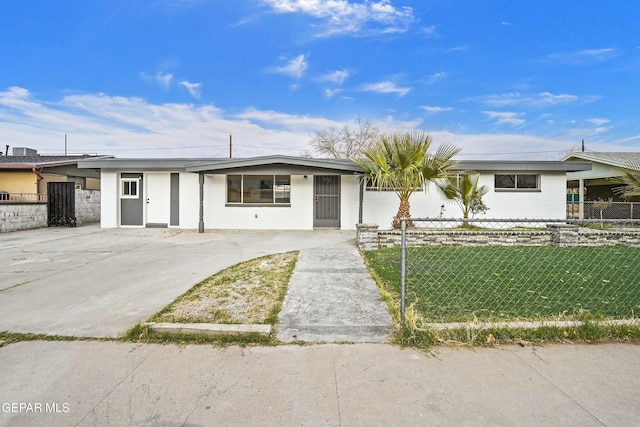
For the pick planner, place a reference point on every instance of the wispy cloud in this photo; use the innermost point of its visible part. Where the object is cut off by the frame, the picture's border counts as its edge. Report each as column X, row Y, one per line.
column 596, row 121
column 160, row 78
column 193, row 88
column 505, row 118
column 386, row 86
column 540, row 100
column 337, row 77
column 433, row 78
column 294, row 67
column 338, row 17
column 330, row 93
column 584, row 56
column 434, row 109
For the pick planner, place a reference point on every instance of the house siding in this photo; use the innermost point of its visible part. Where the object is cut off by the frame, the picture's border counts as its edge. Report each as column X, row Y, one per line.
column 379, row 207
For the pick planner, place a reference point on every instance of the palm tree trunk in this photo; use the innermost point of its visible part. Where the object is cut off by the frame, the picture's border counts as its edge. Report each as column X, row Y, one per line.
column 404, row 211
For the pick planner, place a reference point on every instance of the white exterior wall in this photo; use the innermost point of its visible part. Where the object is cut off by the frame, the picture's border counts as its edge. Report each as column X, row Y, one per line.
column 109, row 199
column 298, row 216
column 381, row 206
column 349, row 201
column 548, row 203
column 189, row 200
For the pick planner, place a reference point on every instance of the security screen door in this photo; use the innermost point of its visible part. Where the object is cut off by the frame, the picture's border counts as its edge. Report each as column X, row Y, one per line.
column 326, row 192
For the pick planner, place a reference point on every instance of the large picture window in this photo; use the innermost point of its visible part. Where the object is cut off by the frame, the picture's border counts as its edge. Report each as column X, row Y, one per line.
column 517, row 182
column 259, row 189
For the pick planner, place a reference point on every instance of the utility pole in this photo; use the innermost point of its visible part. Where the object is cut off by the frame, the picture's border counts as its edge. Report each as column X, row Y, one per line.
column 230, row 146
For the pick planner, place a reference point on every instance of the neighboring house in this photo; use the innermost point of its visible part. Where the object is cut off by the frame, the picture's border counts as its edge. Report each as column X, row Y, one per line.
column 599, row 182
column 25, row 174
column 281, row 192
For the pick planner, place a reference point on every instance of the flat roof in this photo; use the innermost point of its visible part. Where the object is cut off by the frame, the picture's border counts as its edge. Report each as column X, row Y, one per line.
column 218, row 165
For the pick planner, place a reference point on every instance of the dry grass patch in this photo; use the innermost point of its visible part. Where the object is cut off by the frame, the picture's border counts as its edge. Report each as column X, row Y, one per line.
column 249, row 292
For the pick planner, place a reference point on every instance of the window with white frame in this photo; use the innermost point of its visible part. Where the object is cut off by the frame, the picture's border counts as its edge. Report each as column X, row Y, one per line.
column 259, row 189
column 517, row 182
column 130, row 188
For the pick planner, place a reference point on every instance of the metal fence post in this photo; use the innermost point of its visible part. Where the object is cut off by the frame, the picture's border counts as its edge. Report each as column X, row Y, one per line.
column 403, row 265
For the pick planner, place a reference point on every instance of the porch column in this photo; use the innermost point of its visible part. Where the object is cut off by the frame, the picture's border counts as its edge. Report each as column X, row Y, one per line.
column 201, row 222
column 581, row 198
column 361, row 198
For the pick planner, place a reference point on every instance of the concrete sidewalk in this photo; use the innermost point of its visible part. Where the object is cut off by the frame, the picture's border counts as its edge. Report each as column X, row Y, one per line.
column 332, row 298
column 107, row 383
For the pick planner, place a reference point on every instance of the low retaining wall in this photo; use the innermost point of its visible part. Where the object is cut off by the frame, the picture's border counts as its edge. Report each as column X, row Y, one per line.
column 22, row 216
column 16, row 216
column 368, row 237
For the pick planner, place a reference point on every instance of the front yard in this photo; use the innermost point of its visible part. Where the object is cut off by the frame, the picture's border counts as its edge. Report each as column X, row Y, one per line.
column 493, row 283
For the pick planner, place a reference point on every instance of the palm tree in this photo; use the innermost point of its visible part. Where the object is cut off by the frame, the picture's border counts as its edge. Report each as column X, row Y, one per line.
column 630, row 181
column 464, row 190
column 402, row 162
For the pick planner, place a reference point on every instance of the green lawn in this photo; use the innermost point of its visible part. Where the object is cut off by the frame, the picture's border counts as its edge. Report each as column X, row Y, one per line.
column 452, row 284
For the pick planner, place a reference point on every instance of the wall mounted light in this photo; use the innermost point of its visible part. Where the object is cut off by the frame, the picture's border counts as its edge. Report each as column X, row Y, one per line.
column 305, row 177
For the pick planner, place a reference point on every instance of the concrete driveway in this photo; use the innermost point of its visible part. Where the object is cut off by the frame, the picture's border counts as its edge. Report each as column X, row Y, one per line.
column 95, row 282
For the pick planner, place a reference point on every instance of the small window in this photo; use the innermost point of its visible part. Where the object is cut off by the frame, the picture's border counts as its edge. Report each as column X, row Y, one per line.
column 516, row 182
column 130, row 188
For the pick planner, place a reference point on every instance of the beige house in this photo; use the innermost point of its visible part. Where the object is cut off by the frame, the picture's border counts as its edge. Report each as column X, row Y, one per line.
column 25, row 174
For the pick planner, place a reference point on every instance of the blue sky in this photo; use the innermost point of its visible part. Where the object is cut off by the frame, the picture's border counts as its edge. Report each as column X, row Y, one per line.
column 174, row 78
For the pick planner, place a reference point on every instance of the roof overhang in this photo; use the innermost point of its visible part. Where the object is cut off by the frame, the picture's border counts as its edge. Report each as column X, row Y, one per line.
column 519, row 166
column 300, row 164
column 294, row 165
column 137, row 164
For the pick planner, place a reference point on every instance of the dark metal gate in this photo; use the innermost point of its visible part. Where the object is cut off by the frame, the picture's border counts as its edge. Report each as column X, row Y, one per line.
column 61, row 204
column 326, row 190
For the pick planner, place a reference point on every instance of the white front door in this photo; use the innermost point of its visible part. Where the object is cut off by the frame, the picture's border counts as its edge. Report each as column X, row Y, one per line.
column 158, row 199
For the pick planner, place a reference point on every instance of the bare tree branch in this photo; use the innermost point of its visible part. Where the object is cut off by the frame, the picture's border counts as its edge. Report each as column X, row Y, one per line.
column 344, row 143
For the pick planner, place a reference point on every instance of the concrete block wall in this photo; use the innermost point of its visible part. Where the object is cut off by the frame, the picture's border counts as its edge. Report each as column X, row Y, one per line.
column 368, row 237
column 87, row 206
column 22, row 216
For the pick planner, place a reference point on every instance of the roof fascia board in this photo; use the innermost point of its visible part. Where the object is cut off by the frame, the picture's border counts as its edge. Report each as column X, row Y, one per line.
column 516, row 166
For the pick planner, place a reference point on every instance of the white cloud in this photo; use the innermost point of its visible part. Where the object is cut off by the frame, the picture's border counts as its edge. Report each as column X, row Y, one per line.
column 505, row 118
column 435, row 110
column 342, row 17
column 330, row 93
column 429, row 31
column 386, row 87
column 193, row 88
column 598, row 121
column 160, row 78
column 294, row 68
column 134, row 127
column 433, row 78
column 584, row 56
column 541, row 100
column 337, row 77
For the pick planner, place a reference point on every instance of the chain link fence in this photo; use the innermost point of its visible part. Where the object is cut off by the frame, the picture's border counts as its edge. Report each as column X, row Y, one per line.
column 605, row 210
column 455, row 270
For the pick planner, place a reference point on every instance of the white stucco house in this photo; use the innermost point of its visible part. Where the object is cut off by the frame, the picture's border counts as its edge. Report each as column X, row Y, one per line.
column 296, row 193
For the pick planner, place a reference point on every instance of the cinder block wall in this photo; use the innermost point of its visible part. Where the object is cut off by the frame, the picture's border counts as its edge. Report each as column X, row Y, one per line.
column 25, row 216
column 87, row 206
column 22, row 216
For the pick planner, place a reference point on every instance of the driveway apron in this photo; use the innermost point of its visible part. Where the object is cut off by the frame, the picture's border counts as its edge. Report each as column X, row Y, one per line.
column 332, row 298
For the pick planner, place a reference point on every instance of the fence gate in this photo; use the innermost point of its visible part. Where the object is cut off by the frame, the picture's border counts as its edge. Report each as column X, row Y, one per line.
column 61, row 204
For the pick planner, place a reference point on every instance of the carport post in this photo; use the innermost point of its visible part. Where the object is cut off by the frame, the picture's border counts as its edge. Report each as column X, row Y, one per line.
column 201, row 221
column 403, row 265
